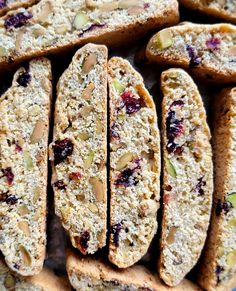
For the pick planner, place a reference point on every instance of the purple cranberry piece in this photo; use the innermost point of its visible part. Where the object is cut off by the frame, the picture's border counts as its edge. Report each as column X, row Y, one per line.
column 213, row 44
column 222, row 206
column 126, row 179
column 177, row 103
column 83, row 241
column 17, row 20
column 16, row 266
column 18, row 148
column 62, row 149
column 11, row 200
column 218, row 271
column 3, row 3
column 9, row 175
column 199, row 186
column 131, row 104
column 60, row 185
column 115, row 230
column 174, row 126
column 195, row 60
column 92, row 27
column 146, row 5
column 114, row 133
column 24, row 79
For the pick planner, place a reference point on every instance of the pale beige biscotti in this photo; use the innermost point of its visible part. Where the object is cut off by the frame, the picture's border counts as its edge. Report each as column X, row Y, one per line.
column 209, row 51
column 187, row 176
column 134, row 164
column 222, row 9
column 52, row 26
column 78, row 152
column 6, row 5
column 97, row 275
column 218, row 264
column 46, row 280
column 24, row 127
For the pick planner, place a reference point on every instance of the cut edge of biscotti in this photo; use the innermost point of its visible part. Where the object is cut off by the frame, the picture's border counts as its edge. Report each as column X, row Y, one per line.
column 4, row 8
column 186, row 142
column 176, row 46
column 24, row 153
column 79, row 176
column 84, row 26
column 216, row 260
column 132, row 111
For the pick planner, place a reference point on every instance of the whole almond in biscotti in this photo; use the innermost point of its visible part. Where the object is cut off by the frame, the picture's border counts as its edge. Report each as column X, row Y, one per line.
column 208, row 51
column 24, row 127
column 78, row 152
column 187, row 176
column 6, row 5
column 222, row 9
column 134, row 164
column 51, row 26
column 217, row 268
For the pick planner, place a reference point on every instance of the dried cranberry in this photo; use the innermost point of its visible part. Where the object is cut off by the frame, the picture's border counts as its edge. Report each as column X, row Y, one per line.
column 146, row 5
column 75, row 176
column 17, row 20
column 8, row 174
column 3, row 3
column 222, row 206
column 18, row 148
column 60, row 185
column 199, row 186
column 62, row 149
column 16, row 266
column 218, row 271
column 11, row 200
column 126, row 179
column 115, row 230
column 114, row 133
column 177, row 103
column 131, row 104
column 83, row 240
column 174, row 126
column 24, row 79
column 195, row 60
column 213, row 44
column 92, row 27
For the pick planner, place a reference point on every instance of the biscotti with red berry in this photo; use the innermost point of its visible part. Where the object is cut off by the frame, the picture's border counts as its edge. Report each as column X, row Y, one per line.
column 222, row 9
column 6, row 5
column 134, row 164
column 44, row 281
column 218, row 265
column 97, row 275
column 78, row 152
column 53, row 26
column 209, row 51
column 24, row 127
column 187, row 176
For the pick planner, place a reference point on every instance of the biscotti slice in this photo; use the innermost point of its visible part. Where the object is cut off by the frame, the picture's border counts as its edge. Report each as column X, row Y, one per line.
column 187, row 176
column 134, row 165
column 44, row 281
column 209, row 51
column 78, row 151
column 6, row 5
column 24, row 127
column 218, row 264
column 223, row 9
column 51, row 26
column 91, row 274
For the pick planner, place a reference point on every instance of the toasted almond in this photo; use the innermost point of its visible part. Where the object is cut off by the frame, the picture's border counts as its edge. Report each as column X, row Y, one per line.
column 85, row 111
column 83, row 136
column 23, row 210
column 123, row 161
column 38, row 30
column 89, row 62
column 38, row 131
column 135, row 10
column 125, row 4
column 24, row 226
column 171, row 235
column 87, row 93
column 93, row 207
column 91, row 4
column 108, row 6
column 61, row 29
column 25, row 256
column 45, row 12
column 98, row 188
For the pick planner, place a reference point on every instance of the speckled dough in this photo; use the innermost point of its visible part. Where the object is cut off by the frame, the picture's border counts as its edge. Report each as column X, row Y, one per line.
column 223, row 9
column 134, row 164
column 44, row 281
column 95, row 275
column 6, row 5
column 80, row 137
column 209, row 51
column 24, row 127
column 57, row 25
column 187, row 176
column 217, row 269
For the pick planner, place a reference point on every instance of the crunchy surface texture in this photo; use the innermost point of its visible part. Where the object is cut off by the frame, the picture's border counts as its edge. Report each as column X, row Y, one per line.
column 44, row 281
column 134, row 164
column 90, row 274
column 218, row 265
column 6, row 5
column 24, row 126
column 223, row 9
column 51, row 26
column 187, row 176
column 78, row 151
column 209, row 51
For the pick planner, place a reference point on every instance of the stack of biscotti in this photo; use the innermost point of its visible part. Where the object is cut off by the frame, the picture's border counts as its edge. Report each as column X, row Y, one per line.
column 52, row 26
column 44, row 281
column 187, row 176
column 217, row 269
column 223, row 9
column 134, row 164
column 209, row 51
column 24, row 127
column 78, row 151
column 97, row 275
column 6, row 5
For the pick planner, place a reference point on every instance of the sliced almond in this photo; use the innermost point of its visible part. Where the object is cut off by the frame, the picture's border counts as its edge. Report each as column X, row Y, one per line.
column 85, row 111
column 45, row 12
column 108, row 6
column 89, row 62
column 38, row 131
column 123, row 161
column 93, row 207
column 125, row 4
column 38, row 30
column 83, row 136
column 19, row 38
column 171, row 235
column 23, row 210
column 91, row 4
column 98, row 188
column 135, row 10
column 25, row 256
column 61, row 29
column 24, row 226
column 87, row 93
